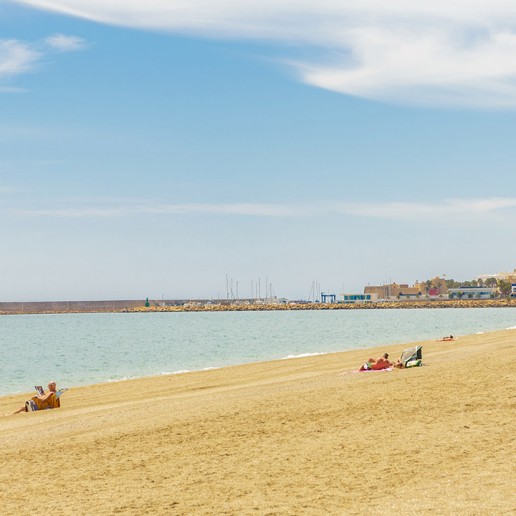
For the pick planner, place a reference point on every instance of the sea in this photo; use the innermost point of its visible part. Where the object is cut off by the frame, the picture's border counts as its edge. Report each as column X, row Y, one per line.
column 81, row 349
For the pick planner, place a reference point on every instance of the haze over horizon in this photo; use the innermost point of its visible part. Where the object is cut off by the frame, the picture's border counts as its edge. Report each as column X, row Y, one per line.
column 153, row 148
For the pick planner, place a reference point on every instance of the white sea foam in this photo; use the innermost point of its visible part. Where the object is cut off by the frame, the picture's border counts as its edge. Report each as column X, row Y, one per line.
column 183, row 371
column 303, row 355
column 480, row 333
column 122, row 379
column 511, row 328
column 161, row 373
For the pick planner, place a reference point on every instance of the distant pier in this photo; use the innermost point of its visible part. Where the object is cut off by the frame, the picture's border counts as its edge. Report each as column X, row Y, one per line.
column 201, row 305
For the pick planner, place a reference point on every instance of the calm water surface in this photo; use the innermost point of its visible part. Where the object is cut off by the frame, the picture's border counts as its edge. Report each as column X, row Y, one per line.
column 78, row 349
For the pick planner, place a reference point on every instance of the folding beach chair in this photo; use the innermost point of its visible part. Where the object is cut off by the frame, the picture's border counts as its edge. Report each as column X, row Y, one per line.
column 412, row 357
column 34, row 404
column 61, row 391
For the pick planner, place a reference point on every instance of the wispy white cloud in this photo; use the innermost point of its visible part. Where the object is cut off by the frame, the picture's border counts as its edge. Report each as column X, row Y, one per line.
column 445, row 211
column 16, row 57
column 444, row 52
column 64, row 43
column 462, row 210
column 10, row 89
column 246, row 209
column 21, row 57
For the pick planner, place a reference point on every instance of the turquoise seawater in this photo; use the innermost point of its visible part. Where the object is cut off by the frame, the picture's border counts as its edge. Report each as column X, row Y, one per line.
column 78, row 349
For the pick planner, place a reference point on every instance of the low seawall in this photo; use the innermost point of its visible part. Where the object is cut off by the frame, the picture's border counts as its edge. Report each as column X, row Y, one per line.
column 136, row 306
column 43, row 307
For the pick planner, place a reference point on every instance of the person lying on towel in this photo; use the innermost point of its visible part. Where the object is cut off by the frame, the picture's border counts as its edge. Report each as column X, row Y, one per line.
column 42, row 401
column 377, row 365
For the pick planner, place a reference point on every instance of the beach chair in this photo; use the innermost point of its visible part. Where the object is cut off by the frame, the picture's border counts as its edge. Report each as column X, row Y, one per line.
column 412, row 357
column 61, row 391
column 53, row 402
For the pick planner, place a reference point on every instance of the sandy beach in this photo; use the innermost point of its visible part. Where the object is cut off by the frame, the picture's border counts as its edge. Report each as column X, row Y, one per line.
column 283, row 437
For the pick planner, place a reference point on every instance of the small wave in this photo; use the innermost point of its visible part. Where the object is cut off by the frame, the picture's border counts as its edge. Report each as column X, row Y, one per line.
column 180, row 371
column 161, row 373
column 123, row 379
column 480, row 333
column 303, row 355
column 183, row 371
column 511, row 328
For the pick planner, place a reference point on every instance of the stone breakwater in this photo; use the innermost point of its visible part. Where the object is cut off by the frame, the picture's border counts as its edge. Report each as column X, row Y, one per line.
column 138, row 307
column 491, row 303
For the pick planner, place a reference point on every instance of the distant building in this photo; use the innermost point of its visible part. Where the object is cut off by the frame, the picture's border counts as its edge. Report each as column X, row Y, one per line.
column 439, row 284
column 409, row 296
column 437, row 287
column 505, row 276
column 472, row 293
column 359, row 298
column 379, row 291
column 392, row 291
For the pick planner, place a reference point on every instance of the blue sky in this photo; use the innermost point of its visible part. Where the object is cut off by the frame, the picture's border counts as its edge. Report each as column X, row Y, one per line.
column 155, row 148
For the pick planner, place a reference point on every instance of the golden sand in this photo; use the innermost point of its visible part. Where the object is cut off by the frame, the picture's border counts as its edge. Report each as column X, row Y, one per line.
column 283, row 437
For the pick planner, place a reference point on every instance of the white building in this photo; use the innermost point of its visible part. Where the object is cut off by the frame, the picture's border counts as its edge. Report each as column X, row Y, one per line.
column 359, row 298
column 506, row 276
column 472, row 293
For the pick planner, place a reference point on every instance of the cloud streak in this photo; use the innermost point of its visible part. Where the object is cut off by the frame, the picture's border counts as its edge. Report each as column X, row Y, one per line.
column 446, row 211
column 240, row 209
column 453, row 52
column 64, row 43
column 21, row 57
column 16, row 57
column 461, row 210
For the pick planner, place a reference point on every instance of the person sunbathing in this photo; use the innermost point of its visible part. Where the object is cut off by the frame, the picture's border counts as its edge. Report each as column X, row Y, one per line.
column 447, row 339
column 42, row 401
column 377, row 365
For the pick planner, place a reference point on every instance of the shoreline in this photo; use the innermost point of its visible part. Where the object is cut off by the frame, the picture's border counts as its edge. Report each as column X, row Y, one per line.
column 194, row 371
column 371, row 350
column 398, row 347
column 193, row 307
column 114, row 347
column 285, row 437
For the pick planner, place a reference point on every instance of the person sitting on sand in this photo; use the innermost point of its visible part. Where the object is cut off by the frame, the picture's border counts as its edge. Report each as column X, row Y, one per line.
column 377, row 365
column 42, row 401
